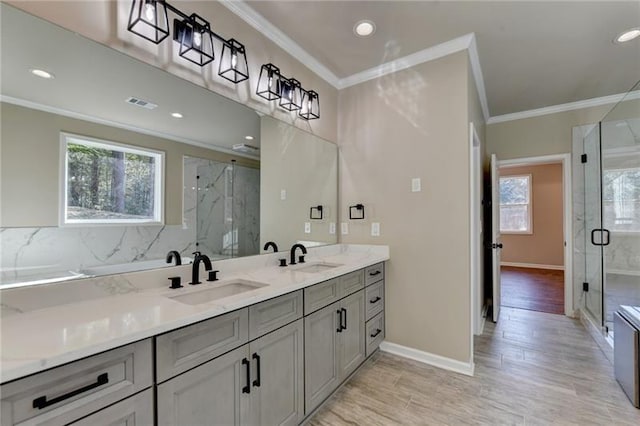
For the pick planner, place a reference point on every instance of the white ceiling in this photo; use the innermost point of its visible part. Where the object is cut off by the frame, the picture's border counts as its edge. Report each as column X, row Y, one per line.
column 93, row 80
column 533, row 54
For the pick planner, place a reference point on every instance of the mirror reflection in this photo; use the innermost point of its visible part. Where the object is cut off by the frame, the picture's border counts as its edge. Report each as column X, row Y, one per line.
column 112, row 163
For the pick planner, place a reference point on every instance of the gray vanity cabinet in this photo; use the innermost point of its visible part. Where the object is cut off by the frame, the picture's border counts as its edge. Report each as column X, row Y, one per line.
column 334, row 347
column 215, row 393
column 277, row 377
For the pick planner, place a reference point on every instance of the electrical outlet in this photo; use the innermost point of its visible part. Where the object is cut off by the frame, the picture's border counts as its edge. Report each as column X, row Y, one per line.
column 375, row 229
column 416, row 185
column 307, row 227
column 344, row 228
column 283, row 194
column 332, row 228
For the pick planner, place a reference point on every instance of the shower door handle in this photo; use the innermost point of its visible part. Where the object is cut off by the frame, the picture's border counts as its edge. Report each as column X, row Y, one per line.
column 602, row 234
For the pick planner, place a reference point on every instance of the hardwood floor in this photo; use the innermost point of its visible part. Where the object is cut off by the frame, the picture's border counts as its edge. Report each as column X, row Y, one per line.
column 532, row 368
column 539, row 290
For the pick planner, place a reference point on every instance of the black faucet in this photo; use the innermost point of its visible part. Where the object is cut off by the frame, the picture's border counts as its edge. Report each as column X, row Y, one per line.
column 293, row 253
column 174, row 255
column 272, row 245
column 195, row 272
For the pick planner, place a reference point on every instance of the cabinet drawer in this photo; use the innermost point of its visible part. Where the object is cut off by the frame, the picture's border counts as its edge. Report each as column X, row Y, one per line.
column 271, row 314
column 67, row 393
column 134, row 411
column 375, row 332
column 374, row 273
column 320, row 295
column 374, row 299
column 178, row 351
column 350, row 283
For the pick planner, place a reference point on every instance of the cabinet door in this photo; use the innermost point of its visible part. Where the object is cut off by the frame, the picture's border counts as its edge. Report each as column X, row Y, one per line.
column 351, row 347
column 320, row 355
column 211, row 394
column 277, row 394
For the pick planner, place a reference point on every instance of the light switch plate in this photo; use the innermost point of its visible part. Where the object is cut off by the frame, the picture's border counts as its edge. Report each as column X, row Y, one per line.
column 283, row 194
column 375, row 229
column 332, row 228
column 307, row 227
column 416, row 185
column 344, row 228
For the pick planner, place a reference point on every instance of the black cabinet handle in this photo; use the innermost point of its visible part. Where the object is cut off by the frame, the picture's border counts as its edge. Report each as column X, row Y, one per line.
column 256, row 382
column 339, row 312
column 247, row 387
column 375, row 333
column 373, row 274
column 375, row 299
column 344, row 327
column 41, row 402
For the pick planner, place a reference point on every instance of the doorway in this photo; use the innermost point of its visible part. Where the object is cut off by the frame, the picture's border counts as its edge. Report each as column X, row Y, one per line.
column 531, row 246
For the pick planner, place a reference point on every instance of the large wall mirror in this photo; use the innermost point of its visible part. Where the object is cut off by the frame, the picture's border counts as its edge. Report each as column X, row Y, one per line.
column 112, row 163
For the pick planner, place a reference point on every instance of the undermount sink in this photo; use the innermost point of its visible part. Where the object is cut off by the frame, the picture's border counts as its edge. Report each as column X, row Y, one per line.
column 220, row 291
column 317, row 267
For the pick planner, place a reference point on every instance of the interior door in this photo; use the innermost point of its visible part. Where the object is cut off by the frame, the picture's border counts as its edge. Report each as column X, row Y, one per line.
column 496, row 241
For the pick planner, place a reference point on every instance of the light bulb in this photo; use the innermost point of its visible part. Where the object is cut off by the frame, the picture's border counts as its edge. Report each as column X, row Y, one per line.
column 290, row 96
column 197, row 39
column 234, row 60
column 150, row 11
column 270, row 82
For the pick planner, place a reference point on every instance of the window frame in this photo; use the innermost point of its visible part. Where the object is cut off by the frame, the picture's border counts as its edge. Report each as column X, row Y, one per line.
column 158, row 205
column 529, row 230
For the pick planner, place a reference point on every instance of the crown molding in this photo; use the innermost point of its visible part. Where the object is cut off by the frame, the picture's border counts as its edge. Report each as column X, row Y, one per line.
column 104, row 122
column 422, row 56
column 273, row 33
column 554, row 109
column 476, row 70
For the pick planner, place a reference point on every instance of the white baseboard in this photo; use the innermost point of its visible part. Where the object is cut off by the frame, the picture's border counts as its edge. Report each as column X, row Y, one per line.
column 532, row 265
column 445, row 363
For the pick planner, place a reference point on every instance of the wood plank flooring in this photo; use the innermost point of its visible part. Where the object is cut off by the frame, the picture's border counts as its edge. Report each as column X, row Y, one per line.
column 532, row 368
column 534, row 289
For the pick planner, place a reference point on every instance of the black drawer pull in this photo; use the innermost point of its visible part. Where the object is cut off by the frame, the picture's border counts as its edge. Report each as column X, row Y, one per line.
column 41, row 402
column 339, row 312
column 375, row 333
column 373, row 274
column 344, row 327
column 247, row 387
column 256, row 382
column 375, row 299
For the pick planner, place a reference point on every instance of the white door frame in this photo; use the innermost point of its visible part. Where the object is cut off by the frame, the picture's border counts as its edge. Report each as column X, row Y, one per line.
column 567, row 228
column 475, row 233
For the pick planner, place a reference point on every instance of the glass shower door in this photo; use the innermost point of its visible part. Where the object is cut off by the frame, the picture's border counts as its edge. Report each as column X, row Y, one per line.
column 593, row 225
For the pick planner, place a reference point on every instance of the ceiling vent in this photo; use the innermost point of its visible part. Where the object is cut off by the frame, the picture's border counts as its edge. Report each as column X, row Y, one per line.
column 141, row 103
column 248, row 149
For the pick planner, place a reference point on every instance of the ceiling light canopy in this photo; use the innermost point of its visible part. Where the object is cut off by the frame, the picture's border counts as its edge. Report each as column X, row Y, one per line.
column 42, row 74
column 364, row 28
column 176, row 115
column 628, row 35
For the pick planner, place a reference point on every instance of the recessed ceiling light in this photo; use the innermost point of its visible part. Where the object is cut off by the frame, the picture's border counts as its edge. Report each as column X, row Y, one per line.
column 628, row 35
column 364, row 28
column 249, row 138
column 42, row 73
column 176, row 115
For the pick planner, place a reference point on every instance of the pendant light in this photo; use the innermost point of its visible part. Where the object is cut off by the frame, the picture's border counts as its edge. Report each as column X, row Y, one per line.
column 149, row 20
column 269, row 82
column 233, row 63
column 290, row 94
column 196, row 42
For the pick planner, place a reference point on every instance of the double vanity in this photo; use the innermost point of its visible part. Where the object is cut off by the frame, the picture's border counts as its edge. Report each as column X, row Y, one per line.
column 263, row 345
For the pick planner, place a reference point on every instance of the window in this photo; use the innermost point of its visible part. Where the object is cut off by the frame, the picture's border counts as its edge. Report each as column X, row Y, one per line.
column 621, row 199
column 109, row 183
column 515, row 204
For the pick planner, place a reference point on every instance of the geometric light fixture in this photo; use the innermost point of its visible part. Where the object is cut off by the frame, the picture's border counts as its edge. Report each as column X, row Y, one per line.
column 272, row 85
column 290, row 94
column 233, row 63
column 149, row 19
column 269, row 82
column 310, row 105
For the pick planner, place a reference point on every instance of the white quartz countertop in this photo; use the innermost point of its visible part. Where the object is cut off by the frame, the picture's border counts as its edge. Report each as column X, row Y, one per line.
column 40, row 339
